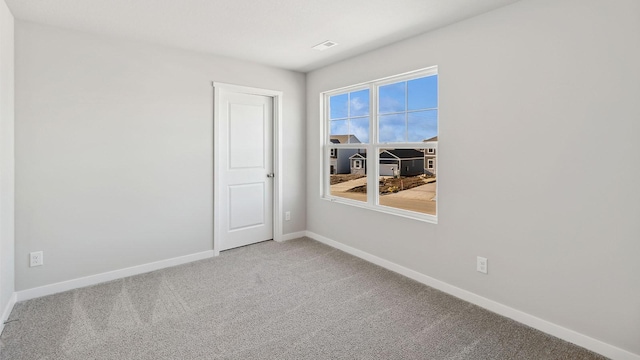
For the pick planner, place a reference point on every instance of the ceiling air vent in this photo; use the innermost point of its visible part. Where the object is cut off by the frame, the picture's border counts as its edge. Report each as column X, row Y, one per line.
column 325, row 45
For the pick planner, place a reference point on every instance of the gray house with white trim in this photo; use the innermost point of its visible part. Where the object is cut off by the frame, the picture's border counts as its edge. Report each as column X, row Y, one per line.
column 358, row 163
column 339, row 158
column 409, row 162
column 430, row 158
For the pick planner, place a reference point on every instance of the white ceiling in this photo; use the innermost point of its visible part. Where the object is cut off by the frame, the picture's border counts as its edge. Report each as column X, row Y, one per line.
column 273, row 32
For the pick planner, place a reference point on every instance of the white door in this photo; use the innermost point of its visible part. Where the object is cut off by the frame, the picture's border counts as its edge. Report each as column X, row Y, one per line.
column 245, row 169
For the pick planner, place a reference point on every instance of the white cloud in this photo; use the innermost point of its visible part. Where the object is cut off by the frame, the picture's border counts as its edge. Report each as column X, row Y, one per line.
column 390, row 133
column 361, row 133
column 357, row 104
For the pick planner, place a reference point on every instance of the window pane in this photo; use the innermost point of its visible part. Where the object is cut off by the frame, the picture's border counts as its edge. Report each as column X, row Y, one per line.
column 339, row 127
column 392, row 97
column 359, row 127
column 338, row 106
column 392, row 128
column 348, row 174
column 422, row 93
column 403, row 182
column 359, row 103
column 422, row 125
column 349, row 117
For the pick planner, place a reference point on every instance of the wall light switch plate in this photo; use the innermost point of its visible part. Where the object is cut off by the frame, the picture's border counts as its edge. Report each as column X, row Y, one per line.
column 482, row 265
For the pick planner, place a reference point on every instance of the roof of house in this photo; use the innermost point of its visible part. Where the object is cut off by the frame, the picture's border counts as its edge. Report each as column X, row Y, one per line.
column 344, row 139
column 435, row 138
column 395, row 153
column 402, row 153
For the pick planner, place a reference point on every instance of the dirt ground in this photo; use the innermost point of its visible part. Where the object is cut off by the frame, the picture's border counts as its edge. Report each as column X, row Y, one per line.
column 342, row 189
column 419, row 198
column 340, row 178
column 390, row 184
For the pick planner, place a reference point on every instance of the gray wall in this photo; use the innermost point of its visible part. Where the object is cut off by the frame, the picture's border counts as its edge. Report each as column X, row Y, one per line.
column 544, row 92
column 344, row 164
column 114, row 150
column 6, row 156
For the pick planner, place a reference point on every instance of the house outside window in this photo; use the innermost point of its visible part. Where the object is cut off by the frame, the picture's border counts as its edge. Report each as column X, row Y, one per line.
column 395, row 122
column 430, row 157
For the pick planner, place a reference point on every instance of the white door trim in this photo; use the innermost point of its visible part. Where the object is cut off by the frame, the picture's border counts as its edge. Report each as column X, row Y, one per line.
column 277, row 156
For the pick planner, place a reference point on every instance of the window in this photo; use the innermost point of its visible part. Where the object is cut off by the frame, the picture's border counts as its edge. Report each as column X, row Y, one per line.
column 388, row 131
column 349, row 116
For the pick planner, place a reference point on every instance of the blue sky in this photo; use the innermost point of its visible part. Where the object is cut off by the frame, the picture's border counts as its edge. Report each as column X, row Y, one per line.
column 402, row 110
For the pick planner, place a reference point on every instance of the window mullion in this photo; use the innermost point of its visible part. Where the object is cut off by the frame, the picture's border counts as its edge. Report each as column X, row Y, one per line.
column 348, row 114
column 406, row 111
column 372, row 168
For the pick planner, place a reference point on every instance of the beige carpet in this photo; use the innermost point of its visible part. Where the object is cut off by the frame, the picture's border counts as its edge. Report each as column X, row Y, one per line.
column 294, row 300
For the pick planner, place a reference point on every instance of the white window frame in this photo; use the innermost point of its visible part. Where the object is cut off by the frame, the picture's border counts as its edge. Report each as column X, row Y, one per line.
column 431, row 164
column 431, row 151
column 373, row 147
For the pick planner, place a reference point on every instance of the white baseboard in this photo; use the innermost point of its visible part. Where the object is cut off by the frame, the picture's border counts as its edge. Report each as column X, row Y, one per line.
column 108, row 276
column 295, row 235
column 7, row 310
column 501, row 309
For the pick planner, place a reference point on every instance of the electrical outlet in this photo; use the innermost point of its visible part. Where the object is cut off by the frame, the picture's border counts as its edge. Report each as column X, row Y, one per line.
column 36, row 259
column 287, row 215
column 482, row 265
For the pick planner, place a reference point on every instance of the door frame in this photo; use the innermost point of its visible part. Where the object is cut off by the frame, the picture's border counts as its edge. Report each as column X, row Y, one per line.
column 276, row 97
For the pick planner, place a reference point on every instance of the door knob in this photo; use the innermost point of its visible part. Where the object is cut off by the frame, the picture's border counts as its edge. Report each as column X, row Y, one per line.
column 270, row 175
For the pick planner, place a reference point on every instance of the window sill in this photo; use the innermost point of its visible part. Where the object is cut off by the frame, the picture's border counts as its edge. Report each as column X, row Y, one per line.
column 432, row 219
